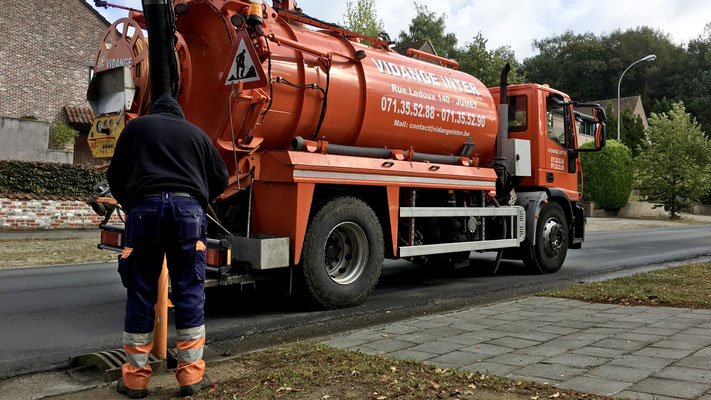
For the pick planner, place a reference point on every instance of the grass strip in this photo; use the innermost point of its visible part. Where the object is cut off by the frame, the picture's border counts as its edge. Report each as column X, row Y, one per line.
column 310, row 370
column 687, row 286
column 33, row 252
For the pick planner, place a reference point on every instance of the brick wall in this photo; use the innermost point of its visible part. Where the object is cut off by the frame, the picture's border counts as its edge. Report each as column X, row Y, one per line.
column 45, row 49
column 47, row 213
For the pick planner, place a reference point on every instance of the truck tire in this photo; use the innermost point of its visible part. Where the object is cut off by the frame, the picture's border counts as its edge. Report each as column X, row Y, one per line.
column 548, row 254
column 343, row 253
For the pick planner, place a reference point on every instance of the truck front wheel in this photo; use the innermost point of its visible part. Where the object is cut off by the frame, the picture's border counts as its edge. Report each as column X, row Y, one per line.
column 548, row 254
column 343, row 253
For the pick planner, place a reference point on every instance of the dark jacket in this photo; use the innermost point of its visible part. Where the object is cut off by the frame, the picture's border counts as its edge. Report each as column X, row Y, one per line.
column 162, row 152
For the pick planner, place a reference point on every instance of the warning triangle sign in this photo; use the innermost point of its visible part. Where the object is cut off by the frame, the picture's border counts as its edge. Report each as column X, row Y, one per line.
column 244, row 64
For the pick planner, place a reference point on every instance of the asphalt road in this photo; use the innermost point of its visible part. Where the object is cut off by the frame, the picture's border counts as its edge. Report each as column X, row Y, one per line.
column 50, row 314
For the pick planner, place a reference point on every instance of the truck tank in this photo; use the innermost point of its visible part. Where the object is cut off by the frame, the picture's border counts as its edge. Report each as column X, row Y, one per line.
column 376, row 97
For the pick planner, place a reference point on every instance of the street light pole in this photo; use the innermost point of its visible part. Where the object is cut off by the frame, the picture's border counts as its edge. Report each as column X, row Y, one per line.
column 647, row 58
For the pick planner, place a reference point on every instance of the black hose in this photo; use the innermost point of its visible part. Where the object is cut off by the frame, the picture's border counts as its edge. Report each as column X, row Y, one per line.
column 314, row 86
column 324, row 104
column 298, row 143
column 161, row 55
column 435, row 158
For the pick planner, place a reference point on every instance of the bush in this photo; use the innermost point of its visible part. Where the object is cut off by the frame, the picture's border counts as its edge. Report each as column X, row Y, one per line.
column 608, row 174
column 61, row 135
column 48, row 178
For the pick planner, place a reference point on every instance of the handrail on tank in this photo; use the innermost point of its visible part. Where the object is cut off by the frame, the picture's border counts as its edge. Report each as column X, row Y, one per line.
column 304, row 19
column 446, row 61
column 297, row 46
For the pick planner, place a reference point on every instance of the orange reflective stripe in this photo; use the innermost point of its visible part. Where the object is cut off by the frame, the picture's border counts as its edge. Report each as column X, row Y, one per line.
column 190, row 344
column 190, row 373
column 126, row 252
column 200, row 246
column 136, row 378
column 138, row 349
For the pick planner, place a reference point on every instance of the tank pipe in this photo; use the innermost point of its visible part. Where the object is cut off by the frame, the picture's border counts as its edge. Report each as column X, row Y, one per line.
column 503, row 111
column 232, row 132
column 271, row 81
column 300, row 144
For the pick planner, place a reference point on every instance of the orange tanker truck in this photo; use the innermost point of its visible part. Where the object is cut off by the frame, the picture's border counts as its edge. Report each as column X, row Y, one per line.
column 342, row 154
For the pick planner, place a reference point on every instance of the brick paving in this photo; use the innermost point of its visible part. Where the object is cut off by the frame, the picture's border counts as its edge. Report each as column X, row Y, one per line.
column 636, row 352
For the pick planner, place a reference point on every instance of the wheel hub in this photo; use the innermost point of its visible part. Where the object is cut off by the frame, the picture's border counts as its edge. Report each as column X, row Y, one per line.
column 553, row 237
column 346, row 253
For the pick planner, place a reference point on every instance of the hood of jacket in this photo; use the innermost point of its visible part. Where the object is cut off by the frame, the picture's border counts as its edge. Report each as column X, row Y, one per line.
column 167, row 105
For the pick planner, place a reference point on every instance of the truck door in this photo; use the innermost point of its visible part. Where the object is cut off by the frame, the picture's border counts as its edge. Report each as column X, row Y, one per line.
column 561, row 170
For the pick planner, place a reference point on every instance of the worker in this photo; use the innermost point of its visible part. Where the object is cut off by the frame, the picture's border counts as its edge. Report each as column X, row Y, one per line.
column 163, row 173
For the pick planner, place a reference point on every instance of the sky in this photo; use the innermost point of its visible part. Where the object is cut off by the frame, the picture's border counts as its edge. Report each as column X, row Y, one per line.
column 518, row 23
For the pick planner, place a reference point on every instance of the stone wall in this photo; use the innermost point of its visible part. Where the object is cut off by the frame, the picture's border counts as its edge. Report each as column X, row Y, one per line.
column 637, row 209
column 45, row 56
column 27, row 140
column 27, row 212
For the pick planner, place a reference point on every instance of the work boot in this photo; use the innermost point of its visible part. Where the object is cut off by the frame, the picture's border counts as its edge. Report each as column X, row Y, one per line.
column 131, row 393
column 195, row 388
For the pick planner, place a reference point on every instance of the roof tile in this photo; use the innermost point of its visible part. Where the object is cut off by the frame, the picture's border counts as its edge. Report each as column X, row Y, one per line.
column 80, row 115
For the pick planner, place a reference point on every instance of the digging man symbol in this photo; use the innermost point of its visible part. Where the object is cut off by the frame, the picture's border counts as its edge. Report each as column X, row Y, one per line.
column 240, row 64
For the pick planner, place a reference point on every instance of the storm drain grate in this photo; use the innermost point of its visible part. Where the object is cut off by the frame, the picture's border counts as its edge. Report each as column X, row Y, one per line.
column 110, row 362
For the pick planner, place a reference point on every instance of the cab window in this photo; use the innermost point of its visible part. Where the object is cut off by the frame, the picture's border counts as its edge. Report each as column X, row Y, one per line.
column 518, row 113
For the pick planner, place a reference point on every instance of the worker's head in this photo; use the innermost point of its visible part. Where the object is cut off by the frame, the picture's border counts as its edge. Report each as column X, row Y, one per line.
column 166, row 104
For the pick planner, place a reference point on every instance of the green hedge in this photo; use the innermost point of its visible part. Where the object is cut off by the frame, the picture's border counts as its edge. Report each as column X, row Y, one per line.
column 48, row 178
column 608, row 174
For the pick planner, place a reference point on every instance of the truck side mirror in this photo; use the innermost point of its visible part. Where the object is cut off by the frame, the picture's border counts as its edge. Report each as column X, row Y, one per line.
column 600, row 135
column 600, row 129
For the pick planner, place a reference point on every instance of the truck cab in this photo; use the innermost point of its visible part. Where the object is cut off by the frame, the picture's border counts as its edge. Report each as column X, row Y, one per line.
column 546, row 118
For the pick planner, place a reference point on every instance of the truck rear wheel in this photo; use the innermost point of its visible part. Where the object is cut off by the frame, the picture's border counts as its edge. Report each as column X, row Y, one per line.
column 343, row 253
column 548, row 254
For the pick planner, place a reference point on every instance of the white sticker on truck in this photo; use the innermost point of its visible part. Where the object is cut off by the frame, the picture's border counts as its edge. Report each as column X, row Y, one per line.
column 429, row 78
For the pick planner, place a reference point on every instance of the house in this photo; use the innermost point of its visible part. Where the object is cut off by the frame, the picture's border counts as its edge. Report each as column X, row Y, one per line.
column 421, row 45
column 47, row 53
column 585, row 127
column 634, row 103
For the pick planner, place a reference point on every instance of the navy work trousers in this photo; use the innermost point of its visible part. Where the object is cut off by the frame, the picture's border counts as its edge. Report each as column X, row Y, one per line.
column 174, row 226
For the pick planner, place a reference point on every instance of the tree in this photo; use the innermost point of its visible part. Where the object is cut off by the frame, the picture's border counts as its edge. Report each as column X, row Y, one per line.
column 632, row 132
column 695, row 79
column 574, row 63
column 588, row 67
column 662, row 105
column 362, row 18
column 675, row 166
column 427, row 25
column 486, row 65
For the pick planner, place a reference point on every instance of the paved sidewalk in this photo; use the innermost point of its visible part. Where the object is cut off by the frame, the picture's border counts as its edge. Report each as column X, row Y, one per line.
column 636, row 352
